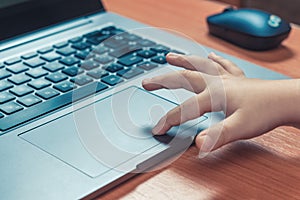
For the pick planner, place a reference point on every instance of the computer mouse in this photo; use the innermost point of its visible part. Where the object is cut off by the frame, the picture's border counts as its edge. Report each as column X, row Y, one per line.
column 249, row 28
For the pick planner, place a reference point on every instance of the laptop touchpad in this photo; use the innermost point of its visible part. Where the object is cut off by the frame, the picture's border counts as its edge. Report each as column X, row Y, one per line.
column 103, row 135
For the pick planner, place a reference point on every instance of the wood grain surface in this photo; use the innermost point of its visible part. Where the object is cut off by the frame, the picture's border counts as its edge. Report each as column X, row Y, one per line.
column 267, row 167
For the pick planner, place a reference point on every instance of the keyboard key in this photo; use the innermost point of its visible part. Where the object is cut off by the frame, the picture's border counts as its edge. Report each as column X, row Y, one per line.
column 131, row 37
column 21, row 90
column 66, row 51
column 53, row 67
column 12, row 61
column 50, row 57
column 56, row 77
column 100, row 50
column 88, row 65
column 39, row 83
column 65, row 86
column 115, row 42
column 82, row 80
column 81, row 46
column 84, row 55
column 50, row 105
column 114, row 67
column 97, row 73
column 69, row 61
column 61, row 45
column 6, row 97
column 4, row 85
column 130, row 73
column 112, row 80
column 29, row 55
column 47, row 93
column 146, row 53
column 147, row 65
column 124, row 51
column 29, row 100
column 10, row 108
column 97, row 40
column 146, row 43
column 104, row 59
column 159, row 59
column 37, row 72
column 35, row 62
column 19, row 79
column 130, row 60
column 45, row 50
column 17, row 68
column 76, row 39
column 4, row 74
column 160, row 49
column 73, row 71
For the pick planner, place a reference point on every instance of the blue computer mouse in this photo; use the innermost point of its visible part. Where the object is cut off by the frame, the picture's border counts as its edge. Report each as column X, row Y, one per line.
column 249, row 28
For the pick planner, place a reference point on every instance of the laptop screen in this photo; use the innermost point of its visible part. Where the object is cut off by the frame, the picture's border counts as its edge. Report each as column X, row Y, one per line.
column 22, row 16
column 7, row 3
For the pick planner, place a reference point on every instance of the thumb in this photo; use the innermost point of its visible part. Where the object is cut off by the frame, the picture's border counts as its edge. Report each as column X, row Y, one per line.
column 218, row 135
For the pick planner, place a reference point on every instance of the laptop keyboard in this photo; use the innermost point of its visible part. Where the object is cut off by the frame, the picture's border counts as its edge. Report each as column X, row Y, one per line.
column 43, row 81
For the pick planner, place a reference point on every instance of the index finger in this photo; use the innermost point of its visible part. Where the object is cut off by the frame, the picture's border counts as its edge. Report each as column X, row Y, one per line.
column 190, row 109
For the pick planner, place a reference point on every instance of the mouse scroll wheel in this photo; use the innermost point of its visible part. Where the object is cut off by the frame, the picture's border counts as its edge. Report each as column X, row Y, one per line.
column 231, row 8
column 274, row 21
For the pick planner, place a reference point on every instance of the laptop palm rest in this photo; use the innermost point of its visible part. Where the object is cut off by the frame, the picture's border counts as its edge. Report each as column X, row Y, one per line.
column 106, row 134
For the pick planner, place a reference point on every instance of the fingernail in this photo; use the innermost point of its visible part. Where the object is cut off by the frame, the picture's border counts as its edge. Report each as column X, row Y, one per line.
column 147, row 80
column 172, row 55
column 212, row 54
column 206, row 145
column 157, row 128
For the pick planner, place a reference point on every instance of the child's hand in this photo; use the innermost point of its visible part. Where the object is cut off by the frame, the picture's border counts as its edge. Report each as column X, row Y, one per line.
column 252, row 107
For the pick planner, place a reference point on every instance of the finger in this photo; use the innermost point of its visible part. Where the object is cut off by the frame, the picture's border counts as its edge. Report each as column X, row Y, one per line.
column 226, row 64
column 189, row 80
column 195, row 63
column 190, row 109
column 219, row 134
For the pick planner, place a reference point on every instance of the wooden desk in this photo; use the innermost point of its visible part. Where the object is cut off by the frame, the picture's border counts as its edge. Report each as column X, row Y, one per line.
column 267, row 167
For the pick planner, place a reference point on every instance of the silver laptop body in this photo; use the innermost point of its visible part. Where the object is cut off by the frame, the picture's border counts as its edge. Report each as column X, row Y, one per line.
column 86, row 147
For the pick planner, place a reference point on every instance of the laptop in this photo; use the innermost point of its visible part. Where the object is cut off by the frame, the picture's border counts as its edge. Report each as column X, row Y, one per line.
column 74, row 119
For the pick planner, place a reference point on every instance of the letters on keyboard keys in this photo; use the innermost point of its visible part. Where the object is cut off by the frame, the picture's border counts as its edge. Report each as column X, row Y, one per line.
column 73, row 71
column 34, row 62
column 56, row 77
column 39, row 83
column 29, row 100
column 97, row 73
column 82, row 80
column 6, row 97
column 69, row 61
column 4, row 85
column 130, row 73
column 65, row 86
column 50, row 57
column 147, row 65
column 17, row 68
column 19, row 79
column 47, row 93
column 53, row 67
column 4, row 74
column 67, row 51
column 112, row 80
column 130, row 60
column 37, row 72
column 10, row 108
column 21, row 90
